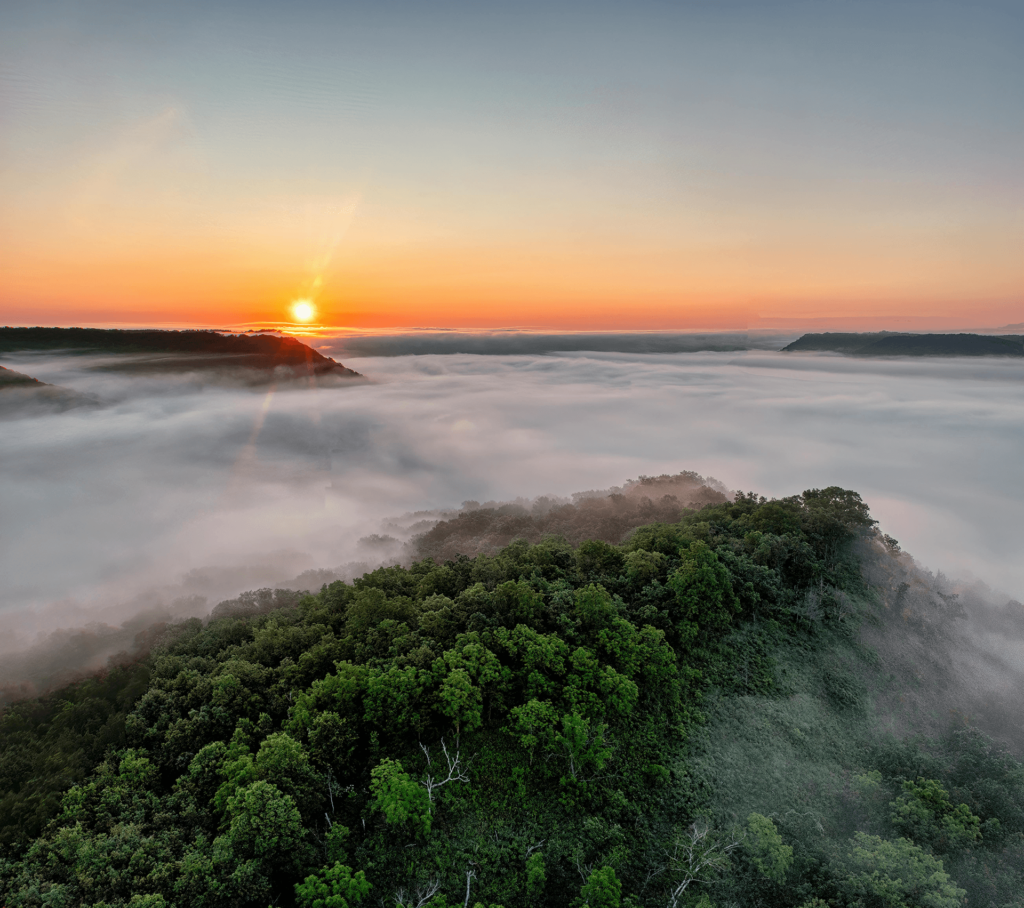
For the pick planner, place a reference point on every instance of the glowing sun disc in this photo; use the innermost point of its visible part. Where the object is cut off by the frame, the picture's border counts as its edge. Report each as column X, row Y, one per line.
column 303, row 310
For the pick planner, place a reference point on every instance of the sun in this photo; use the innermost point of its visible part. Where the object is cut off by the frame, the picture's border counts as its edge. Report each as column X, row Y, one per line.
column 303, row 310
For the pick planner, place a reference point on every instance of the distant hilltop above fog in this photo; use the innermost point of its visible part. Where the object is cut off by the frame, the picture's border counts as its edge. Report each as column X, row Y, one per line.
column 885, row 343
column 180, row 350
column 18, row 391
column 11, row 379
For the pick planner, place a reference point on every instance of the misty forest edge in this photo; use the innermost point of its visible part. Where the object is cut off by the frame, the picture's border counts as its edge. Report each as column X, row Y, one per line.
column 553, row 724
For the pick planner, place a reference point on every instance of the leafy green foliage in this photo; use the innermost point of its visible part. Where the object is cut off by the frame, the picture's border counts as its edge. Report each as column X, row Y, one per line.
column 703, row 590
column 49, row 744
column 923, row 812
column 602, row 889
column 895, row 875
column 332, row 887
column 765, row 848
column 264, row 824
column 535, row 876
column 399, row 798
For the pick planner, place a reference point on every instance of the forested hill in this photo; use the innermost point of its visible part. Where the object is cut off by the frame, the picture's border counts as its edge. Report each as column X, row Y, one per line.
column 887, row 344
column 19, row 391
column 11, row 379
column 691, row 717
column 205, row 348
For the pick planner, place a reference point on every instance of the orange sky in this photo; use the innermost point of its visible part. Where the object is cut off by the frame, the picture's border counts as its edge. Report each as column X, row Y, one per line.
column 711, row 172
column 367, row 282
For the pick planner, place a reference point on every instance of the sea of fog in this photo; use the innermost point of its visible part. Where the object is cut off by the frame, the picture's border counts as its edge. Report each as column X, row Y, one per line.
column 176, row 487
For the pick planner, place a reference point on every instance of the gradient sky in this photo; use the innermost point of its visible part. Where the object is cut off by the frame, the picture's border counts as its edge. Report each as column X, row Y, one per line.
column 583, row 166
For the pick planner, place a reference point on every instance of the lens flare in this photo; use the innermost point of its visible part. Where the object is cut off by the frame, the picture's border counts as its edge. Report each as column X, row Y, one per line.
column 303, row 310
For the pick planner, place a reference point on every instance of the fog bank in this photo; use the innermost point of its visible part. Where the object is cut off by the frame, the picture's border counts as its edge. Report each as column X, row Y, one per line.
column 174, row 489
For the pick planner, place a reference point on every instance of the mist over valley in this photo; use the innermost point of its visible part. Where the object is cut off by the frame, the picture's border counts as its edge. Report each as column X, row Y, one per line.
column 188, row 530
column 174, row 474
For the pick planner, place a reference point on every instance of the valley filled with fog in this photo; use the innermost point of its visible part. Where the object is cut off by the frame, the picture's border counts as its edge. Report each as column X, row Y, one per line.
column 176, row 488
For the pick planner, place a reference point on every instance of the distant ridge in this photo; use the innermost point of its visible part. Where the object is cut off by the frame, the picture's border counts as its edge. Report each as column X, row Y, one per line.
column 196, row 349
column 885, row 343
column 11, row 379
column 20, row 393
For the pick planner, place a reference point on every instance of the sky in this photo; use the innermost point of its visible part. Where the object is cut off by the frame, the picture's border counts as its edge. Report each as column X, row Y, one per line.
column 565, row 166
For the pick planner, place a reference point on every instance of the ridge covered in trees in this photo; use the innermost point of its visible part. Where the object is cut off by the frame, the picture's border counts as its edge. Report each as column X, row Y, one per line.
column 194, row 349
column 18, row 390
column 885, row 343
column 687, row 717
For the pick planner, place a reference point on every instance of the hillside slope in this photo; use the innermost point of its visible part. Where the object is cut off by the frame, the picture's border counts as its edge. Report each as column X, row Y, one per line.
column 693, row 717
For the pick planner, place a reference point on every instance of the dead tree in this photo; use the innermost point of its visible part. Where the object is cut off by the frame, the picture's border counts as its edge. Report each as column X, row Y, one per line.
column 453, row 769
column 422, row 895
column 695, row 857
column 470, row 875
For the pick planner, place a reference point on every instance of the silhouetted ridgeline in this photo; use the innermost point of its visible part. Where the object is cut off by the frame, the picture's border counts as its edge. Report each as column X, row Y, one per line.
column 195, row 349
column 885, row 343
column 11, row 379
column 19, row 392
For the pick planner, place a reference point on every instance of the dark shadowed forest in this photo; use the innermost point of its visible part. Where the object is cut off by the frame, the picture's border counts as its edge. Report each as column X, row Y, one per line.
column 736, row 702
column 252, row 359
column 886, row 343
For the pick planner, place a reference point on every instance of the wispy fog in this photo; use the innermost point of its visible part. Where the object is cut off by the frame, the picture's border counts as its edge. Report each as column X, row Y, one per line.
column 176, row 488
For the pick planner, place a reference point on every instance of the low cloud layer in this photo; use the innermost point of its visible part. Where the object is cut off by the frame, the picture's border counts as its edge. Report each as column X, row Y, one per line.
column 175, row 489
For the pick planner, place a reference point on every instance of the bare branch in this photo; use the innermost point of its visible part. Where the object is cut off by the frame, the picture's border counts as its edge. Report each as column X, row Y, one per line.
column 470, row 875
column 455, row 770
column 584, row 870
column 534, row 848
column 696, row 857
column 422, row 895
